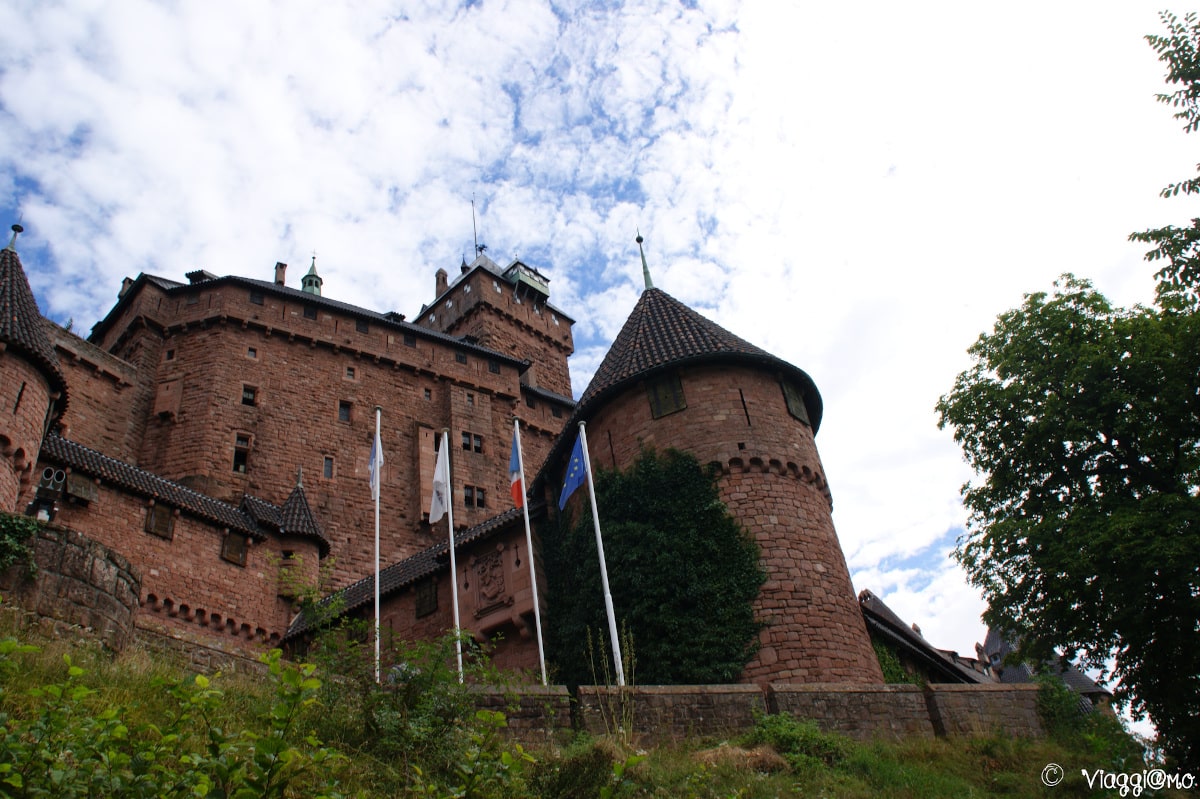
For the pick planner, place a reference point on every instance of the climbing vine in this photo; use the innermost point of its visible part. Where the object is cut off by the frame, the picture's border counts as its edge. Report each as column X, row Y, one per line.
column 17, row 535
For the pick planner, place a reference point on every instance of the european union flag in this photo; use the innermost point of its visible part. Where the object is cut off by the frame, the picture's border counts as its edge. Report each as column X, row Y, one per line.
column 576, row 473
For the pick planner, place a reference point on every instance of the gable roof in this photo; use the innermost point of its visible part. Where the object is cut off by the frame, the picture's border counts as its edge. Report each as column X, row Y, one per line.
column 21, row 327
column 942, row 666
column 255, row 518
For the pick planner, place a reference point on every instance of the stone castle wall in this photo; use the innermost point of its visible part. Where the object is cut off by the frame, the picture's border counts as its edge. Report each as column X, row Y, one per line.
column 773, row 483
column 24, row 400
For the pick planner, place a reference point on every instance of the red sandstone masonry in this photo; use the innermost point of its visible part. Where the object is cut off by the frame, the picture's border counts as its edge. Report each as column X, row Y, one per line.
column 20, row 432
column 962, row 710
column 883, row 711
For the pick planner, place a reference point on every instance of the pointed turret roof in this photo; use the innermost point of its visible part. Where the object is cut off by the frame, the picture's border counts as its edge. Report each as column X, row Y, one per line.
column 21, row 327
column 297, row 518
column 662, row 332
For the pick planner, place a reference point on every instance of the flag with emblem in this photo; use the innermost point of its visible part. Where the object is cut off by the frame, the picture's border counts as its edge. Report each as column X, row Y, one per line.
column 576, row 473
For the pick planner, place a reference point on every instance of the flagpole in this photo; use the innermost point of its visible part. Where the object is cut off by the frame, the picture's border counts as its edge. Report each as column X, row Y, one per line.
column 376, row 452
column 537, row 610
column 608, row 603
column 453, row 562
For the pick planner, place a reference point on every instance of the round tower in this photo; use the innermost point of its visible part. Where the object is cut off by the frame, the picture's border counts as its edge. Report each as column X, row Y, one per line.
column 674, row 379
column 32, row 387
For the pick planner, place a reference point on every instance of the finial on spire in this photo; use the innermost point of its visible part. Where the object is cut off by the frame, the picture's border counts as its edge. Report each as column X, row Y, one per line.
column 645, row 268
column 299, row 477
column 12, row 245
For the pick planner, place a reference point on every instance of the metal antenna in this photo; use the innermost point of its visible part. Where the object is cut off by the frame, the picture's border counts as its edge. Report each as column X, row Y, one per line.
column 474, row 228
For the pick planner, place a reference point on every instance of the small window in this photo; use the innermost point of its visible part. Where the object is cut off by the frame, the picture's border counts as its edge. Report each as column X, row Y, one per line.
column 410, row 340
column 494, row 367
column 530, row 401
column 343, row 411
column 251, row 353
column 480, row 498
column 170, row 355
column 361, row 326
column 256, row 298
column 249, row 394
column 470, row 399
column 349, row 372
column 469, row 496
column 556, row 411
column 474, row 496
column 327, row 468
column 233, row 549
column 477, row 440
column 426, row 597
column 310, row 312
column 666, row 396
column 461, row 357
column 466, row 440
column 241, row 453
column 428, row 394
column 795, row 402
column 160, row 521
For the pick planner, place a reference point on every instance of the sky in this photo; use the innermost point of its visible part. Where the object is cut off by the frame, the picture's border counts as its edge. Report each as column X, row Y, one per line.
column 858, row 188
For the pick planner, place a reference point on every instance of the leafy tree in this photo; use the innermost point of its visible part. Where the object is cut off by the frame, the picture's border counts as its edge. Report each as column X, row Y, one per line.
column 683, row 577
column 1179, row 246
column 1083, row 423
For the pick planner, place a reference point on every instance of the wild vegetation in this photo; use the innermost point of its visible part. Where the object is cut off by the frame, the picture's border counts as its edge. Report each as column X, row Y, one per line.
column 78, row 722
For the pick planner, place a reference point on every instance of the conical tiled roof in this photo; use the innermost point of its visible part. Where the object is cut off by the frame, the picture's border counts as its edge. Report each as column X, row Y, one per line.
column 662, row 332
column 298, row 518
column 21, row 327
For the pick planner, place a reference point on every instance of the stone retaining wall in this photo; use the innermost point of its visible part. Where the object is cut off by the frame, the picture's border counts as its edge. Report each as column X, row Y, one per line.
column 983, row 709
column 874, row 711
column 79, row 583
column 665, row 713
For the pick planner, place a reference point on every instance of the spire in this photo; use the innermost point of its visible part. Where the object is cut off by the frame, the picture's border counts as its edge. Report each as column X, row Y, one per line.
column 299, row 477
column 645, row 269
column 12, row 245
column 311, row 283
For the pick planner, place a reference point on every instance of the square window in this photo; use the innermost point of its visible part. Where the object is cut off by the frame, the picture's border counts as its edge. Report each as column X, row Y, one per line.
column 410, row 340
column 426, row 597
column 461, row 357
column 256, row 298
column 170, row 355
column 327, row 468
column 233, row 549
column 160, row 521
column 666, row 396
column 556, row 411
column 349, row 372
column 529, row 400
column 248, row 395
column 494, row 367
column 361, row 326
column 343, row 411
column 251, row 352
column 310, row 312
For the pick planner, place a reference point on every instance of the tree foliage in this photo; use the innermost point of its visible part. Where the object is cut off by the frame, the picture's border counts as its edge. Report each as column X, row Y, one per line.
column 1083, row 423
column 1179, row 247
column 683, row 577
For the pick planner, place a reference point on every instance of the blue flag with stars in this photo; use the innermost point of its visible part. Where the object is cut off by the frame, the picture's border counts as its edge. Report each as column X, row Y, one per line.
column 576, row 474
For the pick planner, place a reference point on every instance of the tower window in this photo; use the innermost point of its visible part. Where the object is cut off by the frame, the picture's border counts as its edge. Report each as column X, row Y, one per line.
column 160, row 521
column 428, row 394
column 361, row 326
column 249, row 395
column 472, row 442
column 310, row 312
column 470, row 399
column 461, row 357
column 327, row 468
column 251, row 353
column 556, row 411
column 494, row 367
column 349, row 372
column 794, row 398
column 474, row 496
column 256, row 298
column 233, row 549
column 666, row 396
column 530, row 401
column 410, row 340
column 170, row 355
column 343, row 411
column 469, row 496
column 241, row 452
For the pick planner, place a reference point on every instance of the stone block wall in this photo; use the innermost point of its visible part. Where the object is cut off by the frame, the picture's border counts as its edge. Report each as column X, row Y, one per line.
column 79, row 583
column 665, row 713
column 964, row 710
column 535, row 713
column 862, row 712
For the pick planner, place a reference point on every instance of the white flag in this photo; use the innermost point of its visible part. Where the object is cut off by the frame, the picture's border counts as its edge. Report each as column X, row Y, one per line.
column 437, row 505
column 375, row 465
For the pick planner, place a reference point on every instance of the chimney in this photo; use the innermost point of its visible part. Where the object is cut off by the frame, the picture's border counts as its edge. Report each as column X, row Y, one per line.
column 441, row 281
column 125, row 284
column 280, row 272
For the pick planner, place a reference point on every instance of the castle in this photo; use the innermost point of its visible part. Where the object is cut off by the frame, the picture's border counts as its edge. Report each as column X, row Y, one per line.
column 217, row 432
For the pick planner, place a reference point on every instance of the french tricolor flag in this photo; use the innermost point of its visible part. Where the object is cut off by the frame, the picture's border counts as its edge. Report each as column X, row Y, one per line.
column 514, row 473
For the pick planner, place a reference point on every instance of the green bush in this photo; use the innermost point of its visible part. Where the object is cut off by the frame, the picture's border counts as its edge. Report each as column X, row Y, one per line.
column 17, row 534
column 800, row 741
